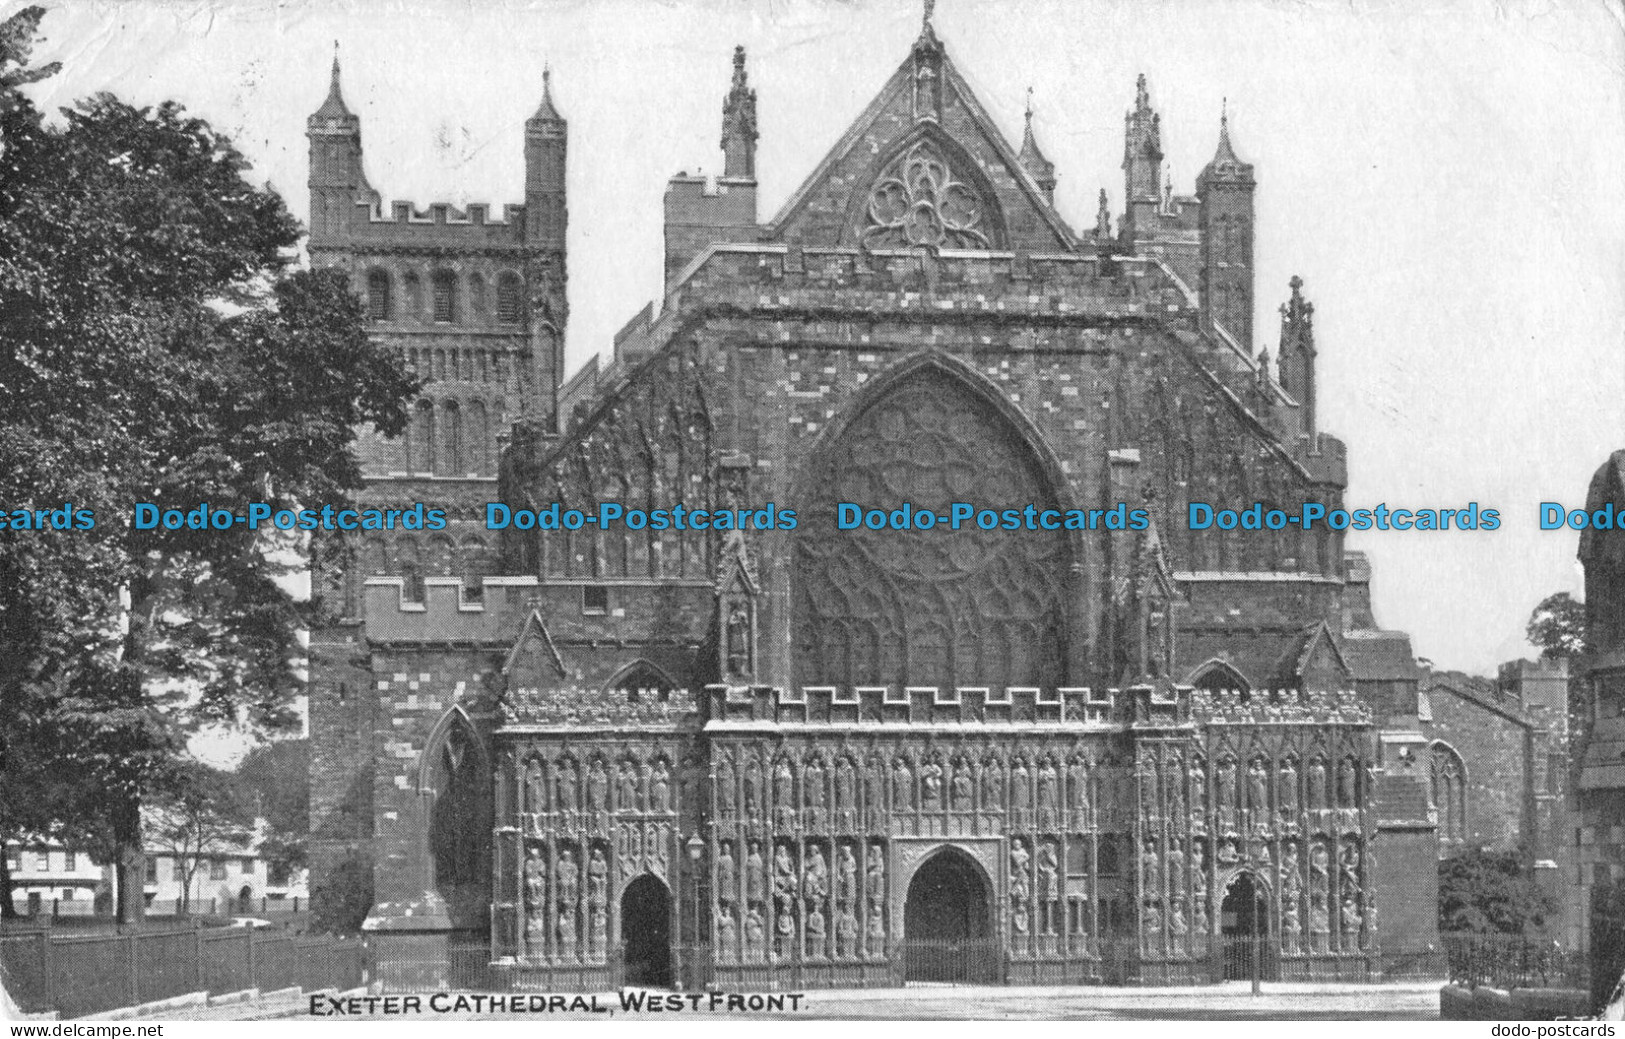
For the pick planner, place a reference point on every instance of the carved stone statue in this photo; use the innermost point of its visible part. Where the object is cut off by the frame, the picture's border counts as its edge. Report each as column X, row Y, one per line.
column 960, row 790
column 660, row 788
column 815, row 877
column 784, row 793
column 755, row 933
column 626, row 787
column 1020, row 882
column 1177, row 927
column 753, row 789
column 568, row 878
column 1227, row 785
column 1319, row 860
column 846, row 876
column 815, row 930
column 874, row 791
column 1150, row 870
column 1291, row 924
column 1176, row 865
column 1198, row 866
column 755, row 874
column 846, row 933
column 1150, row 794
column 598, row 921
column 727, row 874
column 1317, row 784
column 784, row 880
column 1286, row 791
column 1347, row 783
column 1175, row 789
column 726, row 801
column 1258, row 788
column 535, row 879
column 567, row 932
column 1049, row 887
column 566, row 786
column 1291, row 870
column 845, row 785
column 1350, row 918
column 597, row 787
column 1020, row 789
column 877, row 931
column 992, row 786
column 931, row 787
column 597, row 878
column 1077, row 775
column 812, row 784
column 902, row 786
column 1349, row 864
column 535, row 788
column 739, row 639
column 1049, row 789
column 875, row 879
column 727, row 932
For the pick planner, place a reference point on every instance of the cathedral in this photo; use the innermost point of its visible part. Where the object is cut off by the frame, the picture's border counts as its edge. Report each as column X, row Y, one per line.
column 554, row 759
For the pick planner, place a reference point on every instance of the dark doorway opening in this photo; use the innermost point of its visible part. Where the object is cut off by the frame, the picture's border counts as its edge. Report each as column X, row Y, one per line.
column 646, row 933
column 946, row 931
column 1244, row 926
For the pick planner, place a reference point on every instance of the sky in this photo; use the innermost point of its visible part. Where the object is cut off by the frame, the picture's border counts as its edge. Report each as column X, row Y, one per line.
column 1446, row 177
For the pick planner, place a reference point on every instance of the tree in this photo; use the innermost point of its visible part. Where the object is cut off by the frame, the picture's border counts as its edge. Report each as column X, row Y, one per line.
column 1491, row 892
column 156, row 345
column 204, row 819
column 275, row 779
column 1557, row 626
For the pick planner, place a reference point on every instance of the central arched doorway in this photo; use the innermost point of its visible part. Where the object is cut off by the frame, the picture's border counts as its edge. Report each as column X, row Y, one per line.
column 946, row 931
column 646, row 933
column 1244, row 928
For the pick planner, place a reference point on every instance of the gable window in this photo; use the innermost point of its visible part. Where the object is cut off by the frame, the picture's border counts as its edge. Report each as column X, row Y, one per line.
column 217, row 869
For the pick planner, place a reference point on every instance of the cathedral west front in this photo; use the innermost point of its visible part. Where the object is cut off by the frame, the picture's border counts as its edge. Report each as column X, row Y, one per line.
column 838, row 757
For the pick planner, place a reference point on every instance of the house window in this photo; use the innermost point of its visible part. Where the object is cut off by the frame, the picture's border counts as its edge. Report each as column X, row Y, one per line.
column 217, row 869
column 42, row 860
column 594, row 600
column 508, row 310
column 152, row 870
column 70, row 860
column 445, row 296
column 379, row 304
column 14, row 858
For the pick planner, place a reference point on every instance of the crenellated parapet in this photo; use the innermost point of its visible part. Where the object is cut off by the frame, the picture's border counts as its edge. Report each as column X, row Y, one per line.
column 448, row 611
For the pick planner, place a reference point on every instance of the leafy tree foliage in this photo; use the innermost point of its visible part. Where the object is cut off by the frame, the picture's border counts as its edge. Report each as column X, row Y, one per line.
column 203, row 817
column 1557, row 626
column 1491, row 892
column 156, row 345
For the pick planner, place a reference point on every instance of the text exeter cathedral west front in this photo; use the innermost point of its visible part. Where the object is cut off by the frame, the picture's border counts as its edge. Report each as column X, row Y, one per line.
column 856, row 757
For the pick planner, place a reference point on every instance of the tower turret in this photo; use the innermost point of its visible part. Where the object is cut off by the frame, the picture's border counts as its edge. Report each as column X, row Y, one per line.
column 1142, row 167
column 1225, row 188
column 1033, row 160
column 1296, row 356
column 739, row 124
column 546, row 141
column 546, row 221
column 336, row 178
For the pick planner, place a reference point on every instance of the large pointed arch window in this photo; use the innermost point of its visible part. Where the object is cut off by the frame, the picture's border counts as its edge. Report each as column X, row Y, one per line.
column 929, row 607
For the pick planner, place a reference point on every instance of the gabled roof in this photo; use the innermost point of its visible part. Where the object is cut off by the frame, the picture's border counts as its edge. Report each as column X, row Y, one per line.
column 1376, row 655
column 870, row 127
column 533, row 636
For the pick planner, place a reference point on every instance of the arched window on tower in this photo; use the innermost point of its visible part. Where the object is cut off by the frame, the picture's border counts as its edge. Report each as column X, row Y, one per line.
column 476, row 298
column 414, row 296
column 380, row 307
column 445, row 297
column 478, row 437
column 453, row 461
column 1448, row 790
column 509, row 309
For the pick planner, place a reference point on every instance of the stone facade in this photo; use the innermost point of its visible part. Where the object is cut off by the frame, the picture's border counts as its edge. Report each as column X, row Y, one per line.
column 1094, row 751
column 1598, row 801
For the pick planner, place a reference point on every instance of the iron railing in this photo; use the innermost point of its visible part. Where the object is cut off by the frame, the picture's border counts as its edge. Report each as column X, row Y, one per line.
column 77, row 974
column 1512, row 961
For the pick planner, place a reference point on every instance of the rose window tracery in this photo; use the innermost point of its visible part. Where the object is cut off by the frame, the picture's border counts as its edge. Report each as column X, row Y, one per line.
column 929, row 607
column 919, row 202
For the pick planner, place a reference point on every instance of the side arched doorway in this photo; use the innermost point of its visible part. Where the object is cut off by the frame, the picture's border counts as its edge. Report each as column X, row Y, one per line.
column 947, row 930
column 646, row 933
column 1244, row 929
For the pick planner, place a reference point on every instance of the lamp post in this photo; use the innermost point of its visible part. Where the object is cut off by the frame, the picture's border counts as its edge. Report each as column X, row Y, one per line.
column 696, row 848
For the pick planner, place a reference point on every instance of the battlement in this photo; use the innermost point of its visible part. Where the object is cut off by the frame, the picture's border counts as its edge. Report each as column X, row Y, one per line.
column 476, row 213
column 449, row 609
column 576, row 707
